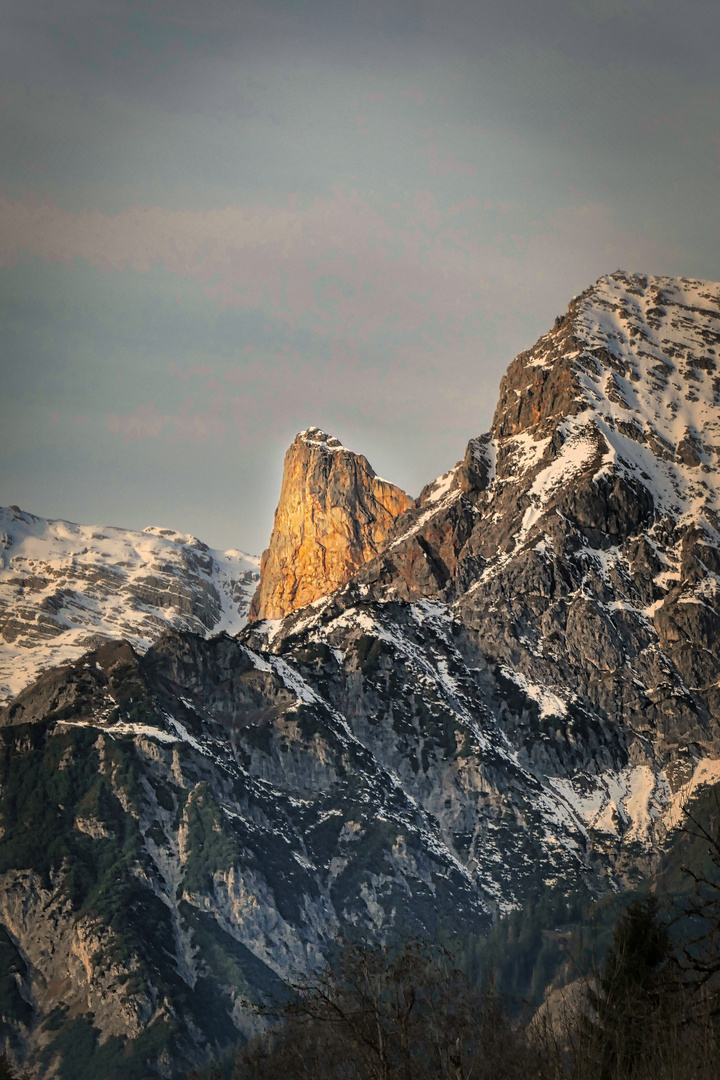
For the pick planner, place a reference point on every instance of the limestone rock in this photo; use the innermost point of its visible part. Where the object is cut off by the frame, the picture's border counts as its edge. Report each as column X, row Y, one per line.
column 333, row 516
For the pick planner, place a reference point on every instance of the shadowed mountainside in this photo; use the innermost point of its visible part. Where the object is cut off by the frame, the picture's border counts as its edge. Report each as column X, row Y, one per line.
column 515, row 689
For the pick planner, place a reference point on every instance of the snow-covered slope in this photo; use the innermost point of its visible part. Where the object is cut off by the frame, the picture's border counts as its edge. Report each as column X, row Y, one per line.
column 646, row 366
column 64, row 588
column 519, row 692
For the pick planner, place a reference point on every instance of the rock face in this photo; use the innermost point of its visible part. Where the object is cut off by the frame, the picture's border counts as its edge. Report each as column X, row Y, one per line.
column 517, row 691
column 333, row 516
column 578, row 538
column 65, row 588
column 184, row 831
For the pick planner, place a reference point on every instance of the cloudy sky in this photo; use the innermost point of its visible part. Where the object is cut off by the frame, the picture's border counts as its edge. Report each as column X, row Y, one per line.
column 222, row 222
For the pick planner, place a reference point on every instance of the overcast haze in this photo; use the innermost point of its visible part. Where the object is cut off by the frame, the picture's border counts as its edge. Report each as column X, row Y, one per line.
column 222, row 222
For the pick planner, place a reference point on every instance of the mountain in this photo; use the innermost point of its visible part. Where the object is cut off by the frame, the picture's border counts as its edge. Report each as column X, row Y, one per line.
column 510, row 687
column 66, row 588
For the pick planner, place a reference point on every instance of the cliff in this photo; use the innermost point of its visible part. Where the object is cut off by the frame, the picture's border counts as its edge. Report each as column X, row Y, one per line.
column 333, row 516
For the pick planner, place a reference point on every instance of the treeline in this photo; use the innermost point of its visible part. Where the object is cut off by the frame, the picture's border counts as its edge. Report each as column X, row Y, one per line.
column 651, row 1011
column 409, row 1013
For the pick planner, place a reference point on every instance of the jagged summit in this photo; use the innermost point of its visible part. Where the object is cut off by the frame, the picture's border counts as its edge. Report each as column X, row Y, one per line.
column 580, row 537
column 610, row 421
column 313, row 436
column 625, row 383
column 334, row 514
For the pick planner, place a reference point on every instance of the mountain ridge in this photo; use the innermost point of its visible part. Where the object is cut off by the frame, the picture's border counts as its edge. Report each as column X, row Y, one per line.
column 517, row 692
column 65, row 588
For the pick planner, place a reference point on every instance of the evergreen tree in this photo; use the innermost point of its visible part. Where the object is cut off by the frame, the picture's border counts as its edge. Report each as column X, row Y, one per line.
column 635, row 1001
column 8, row 1072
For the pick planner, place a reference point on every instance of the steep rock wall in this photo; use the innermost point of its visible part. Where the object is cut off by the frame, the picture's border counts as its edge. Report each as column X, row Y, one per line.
column 333, row 516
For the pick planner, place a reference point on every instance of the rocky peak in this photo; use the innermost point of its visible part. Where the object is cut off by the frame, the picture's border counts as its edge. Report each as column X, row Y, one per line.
column 609, row 423
column 625, row 385
column 334, row 515
column 583, row 529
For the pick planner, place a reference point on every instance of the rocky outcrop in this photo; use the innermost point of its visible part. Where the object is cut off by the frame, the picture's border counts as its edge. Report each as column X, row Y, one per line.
column 333, row 516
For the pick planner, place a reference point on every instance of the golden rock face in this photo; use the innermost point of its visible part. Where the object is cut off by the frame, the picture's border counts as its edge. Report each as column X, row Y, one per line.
column 334, row 514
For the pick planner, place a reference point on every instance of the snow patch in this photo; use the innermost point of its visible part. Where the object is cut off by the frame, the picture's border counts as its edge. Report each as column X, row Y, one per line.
column 549, row 702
